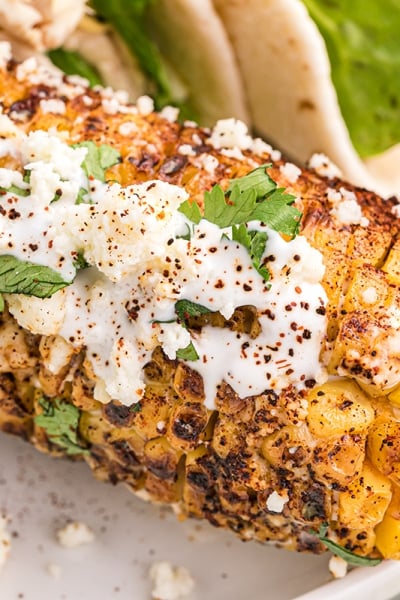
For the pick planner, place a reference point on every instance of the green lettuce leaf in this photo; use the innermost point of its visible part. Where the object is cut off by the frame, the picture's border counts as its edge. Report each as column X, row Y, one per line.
column 362, row 39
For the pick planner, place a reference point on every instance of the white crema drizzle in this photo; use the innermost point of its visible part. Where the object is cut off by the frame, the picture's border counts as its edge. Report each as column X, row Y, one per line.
column 140, row 266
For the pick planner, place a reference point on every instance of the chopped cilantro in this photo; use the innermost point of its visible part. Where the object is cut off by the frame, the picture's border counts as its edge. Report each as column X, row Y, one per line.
column 347, row 555
column 82, row 197
column 135, row 408
column 60, row 420
column 23, row 277
column 188, row 353
column 254, row 197
column 98, row 159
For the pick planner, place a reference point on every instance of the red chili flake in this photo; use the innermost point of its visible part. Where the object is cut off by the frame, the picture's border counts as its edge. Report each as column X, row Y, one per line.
column 293, row 326
column 297, row 289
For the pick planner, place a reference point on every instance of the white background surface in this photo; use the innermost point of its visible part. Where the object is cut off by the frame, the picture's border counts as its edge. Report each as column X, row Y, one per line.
column 40, row 494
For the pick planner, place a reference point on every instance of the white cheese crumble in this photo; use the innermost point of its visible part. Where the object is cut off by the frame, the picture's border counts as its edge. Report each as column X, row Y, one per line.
column 53, row 105
column 338, row 567
column 5, row 54
column 74, row 534
column 396, row 210
column 169, row 582
column 290, row 171
column 170, row 113
column 276, row 502
column 5, row 541
column 370, row 295
column 127, row 128
column 346, row 208
column 230, row 133
column 207, row 162
column 324, row 166
column 186, row 150
column 145, row 105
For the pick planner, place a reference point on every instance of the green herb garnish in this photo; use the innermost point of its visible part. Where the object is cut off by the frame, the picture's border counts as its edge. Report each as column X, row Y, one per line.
column 97, row 160
column 186, row 308
column 60, row 420
column 347, row 555
column 14, row 189
column 188, row 353
column 23, row 277
column 80, row 262
column 254, row 197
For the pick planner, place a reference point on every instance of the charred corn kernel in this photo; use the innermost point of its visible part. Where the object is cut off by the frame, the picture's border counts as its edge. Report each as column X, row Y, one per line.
column 366, row 499
column 384, row 446
column 337, row 408
column 388, row 537
column 392, row 263
column 339, row 459
column 394, row 396
column 368, row 288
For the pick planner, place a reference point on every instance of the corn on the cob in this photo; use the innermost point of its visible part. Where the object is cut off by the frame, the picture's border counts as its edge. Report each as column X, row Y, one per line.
column 328, row 454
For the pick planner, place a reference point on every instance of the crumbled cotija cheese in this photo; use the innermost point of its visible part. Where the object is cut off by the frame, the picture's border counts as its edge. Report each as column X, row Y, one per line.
column 370, row 295
column 145, row 105
column 338, row 567
column 170, row 583
column 276, row 502
column 290, row 172
column 347, row 210
column 324, row 166
column 74, row 534
column 230, row 133
column 53, row 105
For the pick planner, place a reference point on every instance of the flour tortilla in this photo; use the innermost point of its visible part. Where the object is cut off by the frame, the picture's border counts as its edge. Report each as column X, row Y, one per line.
column 292, row 100
column 193, row 39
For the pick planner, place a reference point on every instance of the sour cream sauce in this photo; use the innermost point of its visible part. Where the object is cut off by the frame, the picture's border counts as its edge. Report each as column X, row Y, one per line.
column 123, row 305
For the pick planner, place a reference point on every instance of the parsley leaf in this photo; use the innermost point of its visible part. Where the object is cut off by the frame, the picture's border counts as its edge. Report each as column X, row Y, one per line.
column 22, row 277
column 186, row 308
column 60, row 420
column 98, row 159
column 347, row 555
column 188, row 353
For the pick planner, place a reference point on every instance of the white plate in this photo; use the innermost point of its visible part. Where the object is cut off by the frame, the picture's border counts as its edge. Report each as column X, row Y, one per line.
column 40, row 493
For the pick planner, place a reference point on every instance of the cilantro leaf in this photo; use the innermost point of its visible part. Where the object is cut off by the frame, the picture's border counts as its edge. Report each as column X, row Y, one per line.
column 257, row 180
column 255, row 242
column 82, row 197
column 60, row 420
column 186, row 308
column 191, row 210
column 347, row 555
column 278, row 214
column 188, row 353
column 225, row 210
column 22, row 277
column 98, row 159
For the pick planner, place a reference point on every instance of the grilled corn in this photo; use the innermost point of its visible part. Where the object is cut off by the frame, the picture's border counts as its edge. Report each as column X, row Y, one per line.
column 275, row 466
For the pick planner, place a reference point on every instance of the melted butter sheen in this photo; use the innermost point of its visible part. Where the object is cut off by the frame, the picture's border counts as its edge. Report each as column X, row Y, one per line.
column 119, row 307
